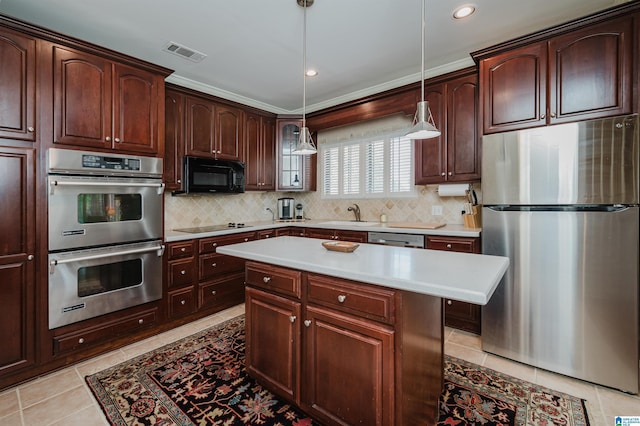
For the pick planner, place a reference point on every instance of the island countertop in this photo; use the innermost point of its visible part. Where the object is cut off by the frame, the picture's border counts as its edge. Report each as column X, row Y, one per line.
column 460, row 276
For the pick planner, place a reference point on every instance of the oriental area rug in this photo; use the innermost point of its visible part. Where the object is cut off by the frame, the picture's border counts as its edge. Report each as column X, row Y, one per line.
column 201, row 380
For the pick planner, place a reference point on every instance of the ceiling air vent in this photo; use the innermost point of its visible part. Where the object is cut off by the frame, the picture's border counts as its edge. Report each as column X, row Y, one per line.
column 183, row 51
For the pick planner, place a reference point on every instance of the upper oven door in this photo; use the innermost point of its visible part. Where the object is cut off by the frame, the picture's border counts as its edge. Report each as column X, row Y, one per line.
column 91, row 211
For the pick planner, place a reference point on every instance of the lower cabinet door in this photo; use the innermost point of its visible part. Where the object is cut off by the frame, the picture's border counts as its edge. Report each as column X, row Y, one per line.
column 348, row 369
column 273, row 342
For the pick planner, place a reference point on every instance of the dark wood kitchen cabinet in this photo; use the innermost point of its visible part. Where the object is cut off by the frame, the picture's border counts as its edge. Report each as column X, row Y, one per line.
column 454, row 156
column 312, row 339
column 100, row 103
column 336, row 234
column 582, row 74
column 259, row 152
column 17, row 259
column 173, row 139
column 17, row 86
column 295, row 172
column 212, row 129
column 200, row 281
column 460, row 315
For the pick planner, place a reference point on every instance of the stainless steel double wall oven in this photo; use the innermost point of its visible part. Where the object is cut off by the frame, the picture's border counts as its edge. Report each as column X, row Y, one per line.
column 105, row 233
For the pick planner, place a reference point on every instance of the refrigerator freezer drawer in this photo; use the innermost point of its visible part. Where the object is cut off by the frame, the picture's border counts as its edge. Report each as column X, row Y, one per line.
column 569, row 301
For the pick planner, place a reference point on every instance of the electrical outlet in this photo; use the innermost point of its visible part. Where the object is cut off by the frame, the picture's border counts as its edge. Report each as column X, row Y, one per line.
column 436, row 210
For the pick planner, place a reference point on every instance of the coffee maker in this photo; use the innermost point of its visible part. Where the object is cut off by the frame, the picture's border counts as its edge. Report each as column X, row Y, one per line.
column 285, row 208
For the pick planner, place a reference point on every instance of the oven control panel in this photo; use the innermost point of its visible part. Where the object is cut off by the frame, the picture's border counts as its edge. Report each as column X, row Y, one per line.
column 110, row 163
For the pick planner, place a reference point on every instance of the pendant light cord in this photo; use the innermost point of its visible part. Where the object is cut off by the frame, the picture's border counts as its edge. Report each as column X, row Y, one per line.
column 422, row 49
column 304, row 66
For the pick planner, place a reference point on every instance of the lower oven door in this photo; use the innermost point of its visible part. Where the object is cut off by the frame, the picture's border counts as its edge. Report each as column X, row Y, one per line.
column 87, row 283
column 87, row 211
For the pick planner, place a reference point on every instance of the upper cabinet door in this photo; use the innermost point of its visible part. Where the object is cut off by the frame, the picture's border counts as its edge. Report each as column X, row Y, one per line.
column 591, row 72
column 462, row 130
column 173, row 139
column 17, row 86
column 229, row 126
column 200, row 127
column 514, row 88
column 82, row 99
column 135, row 109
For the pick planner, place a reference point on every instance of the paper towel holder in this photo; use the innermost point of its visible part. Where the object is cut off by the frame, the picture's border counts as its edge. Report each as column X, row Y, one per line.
column 454, row 190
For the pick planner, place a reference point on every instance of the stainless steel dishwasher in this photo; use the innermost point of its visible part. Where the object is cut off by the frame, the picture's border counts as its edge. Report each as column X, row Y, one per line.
column 396, row 239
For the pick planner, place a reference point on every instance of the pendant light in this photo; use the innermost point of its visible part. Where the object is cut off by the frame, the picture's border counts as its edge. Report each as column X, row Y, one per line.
column 423, row 125
column 305, row 144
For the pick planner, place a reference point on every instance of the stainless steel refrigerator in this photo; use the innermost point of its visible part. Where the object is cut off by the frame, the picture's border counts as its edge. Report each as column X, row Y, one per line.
column 562, row 203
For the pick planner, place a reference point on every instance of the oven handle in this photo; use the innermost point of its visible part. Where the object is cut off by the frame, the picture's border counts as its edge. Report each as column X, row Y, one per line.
column 54, row 262
column 55, row 183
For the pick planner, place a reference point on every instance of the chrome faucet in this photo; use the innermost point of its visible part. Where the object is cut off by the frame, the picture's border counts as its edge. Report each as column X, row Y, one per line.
column 356, row 211
column 273, row 216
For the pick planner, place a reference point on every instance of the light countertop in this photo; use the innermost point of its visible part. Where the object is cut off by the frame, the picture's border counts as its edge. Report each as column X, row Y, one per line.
column 460, row 276
column 451, row 230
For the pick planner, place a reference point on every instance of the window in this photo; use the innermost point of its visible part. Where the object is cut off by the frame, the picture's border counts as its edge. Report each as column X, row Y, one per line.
column 368, row 168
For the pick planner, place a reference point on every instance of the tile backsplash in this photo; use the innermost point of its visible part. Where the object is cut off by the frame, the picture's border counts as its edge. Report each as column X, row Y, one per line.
column 188, row 211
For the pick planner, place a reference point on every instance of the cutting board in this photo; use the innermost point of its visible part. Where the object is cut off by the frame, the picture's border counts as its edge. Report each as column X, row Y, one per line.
column 417, row 225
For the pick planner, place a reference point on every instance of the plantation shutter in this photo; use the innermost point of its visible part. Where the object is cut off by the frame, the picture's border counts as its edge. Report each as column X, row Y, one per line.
column 351, row 169
column 331, row 166
column 401, row 170
column 374, row 167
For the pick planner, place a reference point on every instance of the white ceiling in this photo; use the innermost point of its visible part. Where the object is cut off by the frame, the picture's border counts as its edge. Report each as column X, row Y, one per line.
column 359, row 47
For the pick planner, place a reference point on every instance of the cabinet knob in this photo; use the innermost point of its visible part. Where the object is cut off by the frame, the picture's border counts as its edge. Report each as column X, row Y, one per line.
column 543, row 116
column 140, row 321
column 450, row 173
column 448, row 246
column 183, row 249
column 30, row 129
column 246, row 239
column 442, row 174
column 117, row 139
column 553, row 115
column 267, row 236
column 182, row 302
column 179, row 181
column 183, row 272
column 81, row 340
column 30, row 257
column 307, row 323
column 108, row 139
column 215, row 244
column 292, row 318
column 449, row 302
column 266, row 279
column 342, row 298
column 213, row 265
column 213, row 292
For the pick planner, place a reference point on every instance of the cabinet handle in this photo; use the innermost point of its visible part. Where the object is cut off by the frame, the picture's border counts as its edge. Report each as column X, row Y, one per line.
column 292, row 318
column 30, row 129
column 30, row 257
column 183, row 249
column 307, row 323
column 448, row 246
column 449, row 302
column 81, row 340
column 108, row 139
column 266, row 279
column 117, row 139
column 342, row 298
column 140, row 321
column 182, row 302
column 183, row 272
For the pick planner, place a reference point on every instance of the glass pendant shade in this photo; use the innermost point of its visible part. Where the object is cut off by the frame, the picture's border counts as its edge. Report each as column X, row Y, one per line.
column 424, row 127
column 305, row 144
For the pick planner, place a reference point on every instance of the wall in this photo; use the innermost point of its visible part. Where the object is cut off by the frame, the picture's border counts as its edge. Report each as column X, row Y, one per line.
column 188, row 211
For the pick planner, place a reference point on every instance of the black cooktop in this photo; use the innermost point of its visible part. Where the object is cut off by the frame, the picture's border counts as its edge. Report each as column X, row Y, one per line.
column 211, row 228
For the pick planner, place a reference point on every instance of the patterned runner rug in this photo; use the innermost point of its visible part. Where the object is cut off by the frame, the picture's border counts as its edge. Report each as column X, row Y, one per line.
column 201, row 380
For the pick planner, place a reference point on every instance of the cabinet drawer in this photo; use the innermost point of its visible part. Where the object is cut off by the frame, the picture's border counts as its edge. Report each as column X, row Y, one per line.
column 181, row 249
column 464, row 245
column 181, row 272
column 79, row 339
column 280, row 280
column 358, row 299
column 209, row 245
column 181, row 302
column 221, row 293
column 215, row 265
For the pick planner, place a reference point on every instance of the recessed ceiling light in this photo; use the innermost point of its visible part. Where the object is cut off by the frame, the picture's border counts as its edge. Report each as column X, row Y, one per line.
column 311, row 73
column 464, row 11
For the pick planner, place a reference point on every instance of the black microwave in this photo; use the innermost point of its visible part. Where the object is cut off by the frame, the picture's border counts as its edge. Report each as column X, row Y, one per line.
column 208, row 175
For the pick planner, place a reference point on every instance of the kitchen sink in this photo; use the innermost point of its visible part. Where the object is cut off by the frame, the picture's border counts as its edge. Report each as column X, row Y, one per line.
column 348, row 223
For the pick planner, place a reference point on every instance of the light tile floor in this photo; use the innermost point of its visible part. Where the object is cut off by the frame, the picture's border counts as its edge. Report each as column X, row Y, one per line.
column 63, row 399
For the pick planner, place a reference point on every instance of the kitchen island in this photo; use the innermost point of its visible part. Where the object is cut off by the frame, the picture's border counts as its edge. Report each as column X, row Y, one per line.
column 355, row 338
